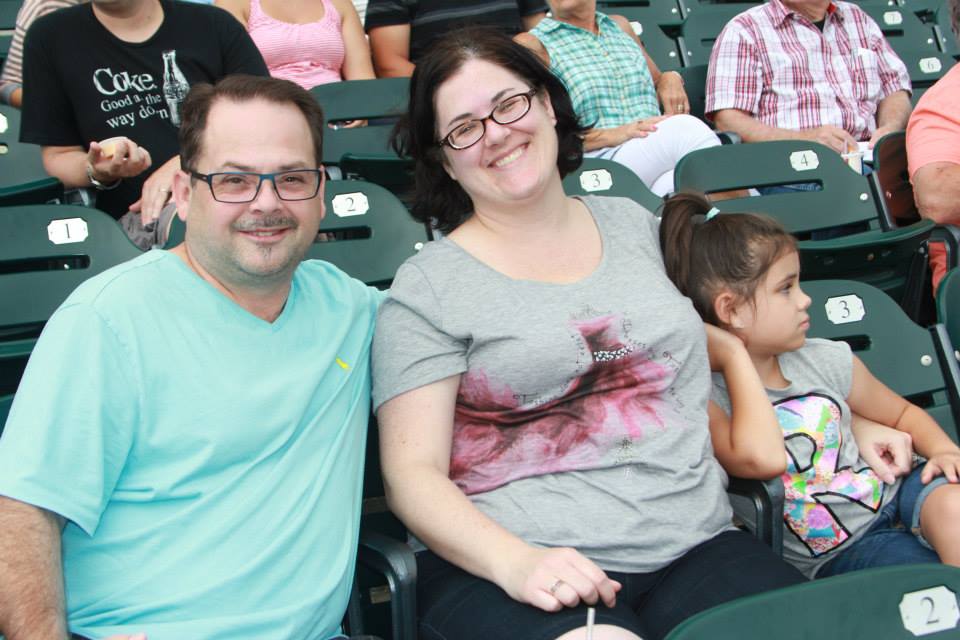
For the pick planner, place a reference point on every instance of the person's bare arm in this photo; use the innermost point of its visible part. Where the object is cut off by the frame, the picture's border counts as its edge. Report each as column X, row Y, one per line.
column 752, row 130
column 936, row 188
column 893, row 112
column 532, row 20
column 31, row 587
column 68, row 164
column 416, row 438
column 239, row 9
column 357, row 64
column 390, row 46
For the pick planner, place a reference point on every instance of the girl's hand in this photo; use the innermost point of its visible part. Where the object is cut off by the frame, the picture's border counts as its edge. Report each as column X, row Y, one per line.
column 947, row 464
column 671, row 94
column 722, row 346
column 888, row 451
column 551, row 579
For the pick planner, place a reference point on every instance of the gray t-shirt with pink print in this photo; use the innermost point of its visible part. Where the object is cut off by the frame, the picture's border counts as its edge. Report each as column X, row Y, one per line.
column 581, row 416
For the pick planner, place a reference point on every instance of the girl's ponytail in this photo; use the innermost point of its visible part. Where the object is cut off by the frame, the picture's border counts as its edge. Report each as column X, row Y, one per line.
column 682, row 214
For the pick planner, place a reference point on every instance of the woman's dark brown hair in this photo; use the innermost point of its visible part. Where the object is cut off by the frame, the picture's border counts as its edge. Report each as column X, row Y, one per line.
column 729, row 251
column 438, row 198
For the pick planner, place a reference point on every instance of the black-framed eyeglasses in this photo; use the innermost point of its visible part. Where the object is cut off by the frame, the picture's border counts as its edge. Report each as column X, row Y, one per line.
column 243, row 186
column 507, row 111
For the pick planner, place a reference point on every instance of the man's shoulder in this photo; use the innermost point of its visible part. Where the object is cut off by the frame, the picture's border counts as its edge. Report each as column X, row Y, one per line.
column 197, row 16
column 943, row 95
column 325, row 281
column 125, row 284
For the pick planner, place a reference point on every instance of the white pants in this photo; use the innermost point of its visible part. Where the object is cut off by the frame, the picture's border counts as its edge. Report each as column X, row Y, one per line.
column 654, row 158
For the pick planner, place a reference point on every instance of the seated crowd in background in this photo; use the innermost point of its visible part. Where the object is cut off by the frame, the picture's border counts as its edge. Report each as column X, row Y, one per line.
column 103, row 83
column 774, row 75
column 401, row 32
column 617, row 90
column 310, row 42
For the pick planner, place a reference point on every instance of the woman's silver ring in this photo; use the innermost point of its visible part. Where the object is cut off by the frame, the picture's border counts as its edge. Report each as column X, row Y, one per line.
column 555, row 586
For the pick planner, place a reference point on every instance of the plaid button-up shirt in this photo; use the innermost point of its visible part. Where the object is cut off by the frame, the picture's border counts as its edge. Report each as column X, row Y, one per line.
column 775, row 64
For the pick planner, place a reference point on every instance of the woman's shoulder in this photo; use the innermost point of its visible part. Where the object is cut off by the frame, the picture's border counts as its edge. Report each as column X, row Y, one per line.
column 621, row 212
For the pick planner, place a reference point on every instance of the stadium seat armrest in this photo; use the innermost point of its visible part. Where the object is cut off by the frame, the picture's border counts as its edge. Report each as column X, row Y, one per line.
column 766, row 498
column 395, row 560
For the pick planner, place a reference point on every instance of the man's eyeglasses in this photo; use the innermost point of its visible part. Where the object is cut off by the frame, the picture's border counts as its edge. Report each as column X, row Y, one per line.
column 470, row 132
column 243, row 186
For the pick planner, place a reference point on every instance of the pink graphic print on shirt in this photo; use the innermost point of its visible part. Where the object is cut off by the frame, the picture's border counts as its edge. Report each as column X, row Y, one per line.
column 498, row 438
column 813, row 481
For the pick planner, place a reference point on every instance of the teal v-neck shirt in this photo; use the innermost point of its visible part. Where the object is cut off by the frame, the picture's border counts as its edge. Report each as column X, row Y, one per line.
column 208, row 463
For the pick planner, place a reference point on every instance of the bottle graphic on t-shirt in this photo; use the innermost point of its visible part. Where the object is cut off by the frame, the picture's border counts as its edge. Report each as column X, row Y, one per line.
column 175, row 86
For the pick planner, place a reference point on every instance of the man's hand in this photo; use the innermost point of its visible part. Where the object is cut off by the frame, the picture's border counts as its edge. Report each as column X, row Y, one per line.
column 156, row 191
column 119, row 158
column 834, row 137
column 671, row 94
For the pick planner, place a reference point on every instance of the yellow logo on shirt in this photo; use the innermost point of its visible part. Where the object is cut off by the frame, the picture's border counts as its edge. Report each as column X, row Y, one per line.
column 343, row 365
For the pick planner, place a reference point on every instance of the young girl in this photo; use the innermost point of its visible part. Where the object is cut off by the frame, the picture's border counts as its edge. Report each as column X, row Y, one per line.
column 742, row 272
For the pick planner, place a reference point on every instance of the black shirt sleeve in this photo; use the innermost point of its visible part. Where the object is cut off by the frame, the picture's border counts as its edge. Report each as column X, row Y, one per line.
column 384, row 13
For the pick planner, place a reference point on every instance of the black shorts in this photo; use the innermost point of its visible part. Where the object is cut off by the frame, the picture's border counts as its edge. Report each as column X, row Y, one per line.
column 455, row 605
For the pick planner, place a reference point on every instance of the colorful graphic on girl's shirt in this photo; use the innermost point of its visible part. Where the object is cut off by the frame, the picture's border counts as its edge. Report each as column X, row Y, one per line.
column 500, row 436
column 812, row 481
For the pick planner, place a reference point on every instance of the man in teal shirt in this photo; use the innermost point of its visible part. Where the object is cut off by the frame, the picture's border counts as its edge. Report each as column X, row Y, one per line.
column 189, row 433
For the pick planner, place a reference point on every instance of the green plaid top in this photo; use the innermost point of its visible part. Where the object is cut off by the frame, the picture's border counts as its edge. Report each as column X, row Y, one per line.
column 606, row 74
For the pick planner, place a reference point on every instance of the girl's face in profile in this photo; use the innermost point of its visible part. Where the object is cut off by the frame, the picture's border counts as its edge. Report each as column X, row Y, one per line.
column 777, row 321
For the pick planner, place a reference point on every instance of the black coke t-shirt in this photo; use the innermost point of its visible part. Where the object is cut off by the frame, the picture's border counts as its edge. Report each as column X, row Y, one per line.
column 81, row 83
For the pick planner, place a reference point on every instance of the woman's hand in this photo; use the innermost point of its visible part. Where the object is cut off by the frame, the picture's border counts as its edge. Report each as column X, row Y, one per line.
column 638, row 128
column 551, row 579
column 671, row 94
column 888, row 451
column 722, row 347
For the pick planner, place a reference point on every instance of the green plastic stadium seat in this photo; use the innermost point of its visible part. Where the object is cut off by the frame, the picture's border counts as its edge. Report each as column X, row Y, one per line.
column 902, row 28
column 601, row 177
column 914, row 361
column 23, row 179
column 666, row 13
column 8, row 13
column 659, row 46
column 47, row 251
column 364, row 152
column 893, row 260
column 370, row 233
column 701, row 28
column 948, row 305
column 887, row 603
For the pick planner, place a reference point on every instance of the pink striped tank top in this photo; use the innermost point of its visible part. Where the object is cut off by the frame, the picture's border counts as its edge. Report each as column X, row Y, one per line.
column 308, row 54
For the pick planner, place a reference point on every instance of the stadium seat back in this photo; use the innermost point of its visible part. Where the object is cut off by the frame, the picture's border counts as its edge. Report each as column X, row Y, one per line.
column 888, row 602
column 48, row 251
column 888, row 259
column 914, row 361
column 948, row 305
column 23, row 179
column 597, row 176
column 891, row 180
column 367, row 232
column 701, row 28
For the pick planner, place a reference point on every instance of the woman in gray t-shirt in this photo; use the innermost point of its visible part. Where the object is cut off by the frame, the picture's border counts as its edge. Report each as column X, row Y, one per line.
column 543, row 389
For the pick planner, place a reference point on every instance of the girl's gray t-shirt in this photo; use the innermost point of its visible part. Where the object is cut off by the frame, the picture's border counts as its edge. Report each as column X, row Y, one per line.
column 831, row 495
column 581, row 415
